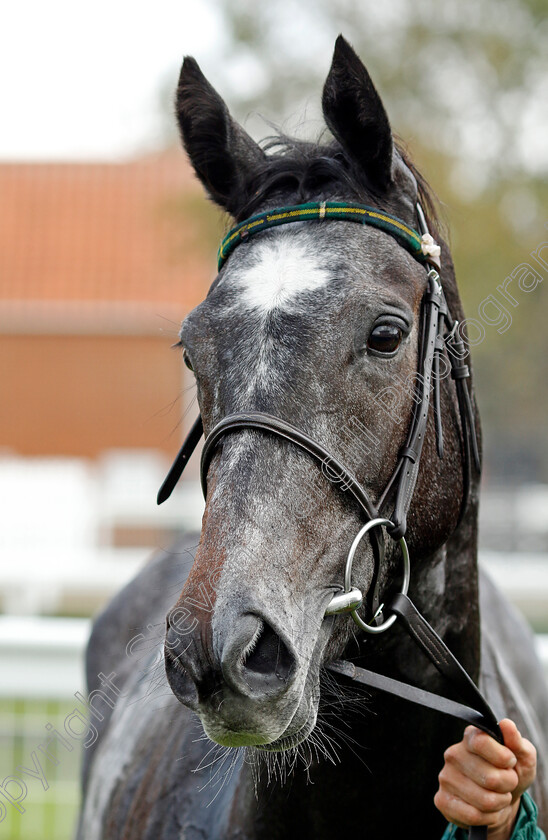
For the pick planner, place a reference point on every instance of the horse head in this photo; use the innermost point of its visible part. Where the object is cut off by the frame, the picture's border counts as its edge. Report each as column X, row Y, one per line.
column 316, row 323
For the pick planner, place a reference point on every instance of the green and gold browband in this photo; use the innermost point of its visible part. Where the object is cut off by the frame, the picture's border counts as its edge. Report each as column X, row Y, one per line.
column 318, row 211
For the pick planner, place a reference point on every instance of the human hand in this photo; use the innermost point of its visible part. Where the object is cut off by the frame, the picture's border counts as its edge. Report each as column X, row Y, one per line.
column 482, row 781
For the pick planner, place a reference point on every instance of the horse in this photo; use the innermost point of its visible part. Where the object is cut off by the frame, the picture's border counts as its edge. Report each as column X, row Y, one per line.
column 321, row 325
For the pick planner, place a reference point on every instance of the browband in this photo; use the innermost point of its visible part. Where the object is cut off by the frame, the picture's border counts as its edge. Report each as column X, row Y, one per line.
column 332, row 210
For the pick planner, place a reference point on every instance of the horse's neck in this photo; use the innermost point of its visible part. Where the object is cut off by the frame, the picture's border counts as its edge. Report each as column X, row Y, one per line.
column 389, row 752
column 459, row 621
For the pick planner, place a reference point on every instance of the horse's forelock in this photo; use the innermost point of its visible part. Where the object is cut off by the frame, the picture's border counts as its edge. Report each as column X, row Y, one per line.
column 296, row 171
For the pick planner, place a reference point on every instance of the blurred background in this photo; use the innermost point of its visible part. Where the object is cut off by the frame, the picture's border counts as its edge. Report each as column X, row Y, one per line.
column 106, row 243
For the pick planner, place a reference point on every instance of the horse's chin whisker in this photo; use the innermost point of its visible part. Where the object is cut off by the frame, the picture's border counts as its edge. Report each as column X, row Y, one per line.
column 228, row 774
column 214, row 748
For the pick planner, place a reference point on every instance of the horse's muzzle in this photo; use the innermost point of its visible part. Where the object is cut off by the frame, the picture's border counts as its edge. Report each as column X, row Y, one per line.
column 254, row 660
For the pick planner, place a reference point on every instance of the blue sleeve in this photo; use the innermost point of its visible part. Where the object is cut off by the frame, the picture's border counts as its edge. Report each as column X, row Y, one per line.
column 526, row 825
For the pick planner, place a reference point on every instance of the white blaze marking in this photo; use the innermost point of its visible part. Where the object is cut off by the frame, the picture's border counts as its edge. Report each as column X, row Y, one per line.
column 283, row 271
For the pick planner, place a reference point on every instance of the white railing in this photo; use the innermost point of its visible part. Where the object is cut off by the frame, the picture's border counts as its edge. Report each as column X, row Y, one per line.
column 41, row 663
column 43, row 657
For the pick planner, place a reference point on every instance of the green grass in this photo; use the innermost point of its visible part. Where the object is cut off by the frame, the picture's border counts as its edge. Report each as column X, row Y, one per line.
column 49, row 814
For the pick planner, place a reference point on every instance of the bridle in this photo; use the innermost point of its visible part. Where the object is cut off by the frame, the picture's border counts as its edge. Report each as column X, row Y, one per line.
column 436, row 319
column 440, row 339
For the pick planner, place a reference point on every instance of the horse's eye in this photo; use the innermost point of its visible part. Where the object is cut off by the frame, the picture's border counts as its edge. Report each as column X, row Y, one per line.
column 186, row 360
column 385, row 338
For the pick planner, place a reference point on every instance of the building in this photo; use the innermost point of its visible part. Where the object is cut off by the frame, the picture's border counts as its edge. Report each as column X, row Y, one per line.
column 99, row 263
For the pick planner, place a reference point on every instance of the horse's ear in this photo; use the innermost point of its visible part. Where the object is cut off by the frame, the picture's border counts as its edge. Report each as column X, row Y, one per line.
column 355, row 115
column 223, row 155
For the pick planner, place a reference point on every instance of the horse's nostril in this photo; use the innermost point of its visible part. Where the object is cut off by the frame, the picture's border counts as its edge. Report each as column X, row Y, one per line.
column 256, row 660
column 177, row 674
column 269, row 655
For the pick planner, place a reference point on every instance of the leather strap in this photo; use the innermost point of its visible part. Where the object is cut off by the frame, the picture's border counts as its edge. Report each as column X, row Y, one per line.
column 446, row 663
column 475, row 709
column 438, row 353
column 460, row 372
column 408, row 692
column 477, row 832
column 325, row 210
column 176, row 470
column 433, row 302
column 428, row 699
column 260, row 421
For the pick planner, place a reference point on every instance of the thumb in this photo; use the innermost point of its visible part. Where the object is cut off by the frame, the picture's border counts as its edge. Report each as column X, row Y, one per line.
column 524, row 752
column 512, row 736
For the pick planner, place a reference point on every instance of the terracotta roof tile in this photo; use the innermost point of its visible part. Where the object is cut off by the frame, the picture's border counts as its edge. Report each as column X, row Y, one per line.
column 138, row 231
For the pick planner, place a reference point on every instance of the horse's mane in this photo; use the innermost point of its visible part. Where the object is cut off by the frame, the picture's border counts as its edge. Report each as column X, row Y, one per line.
column 304, row 170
